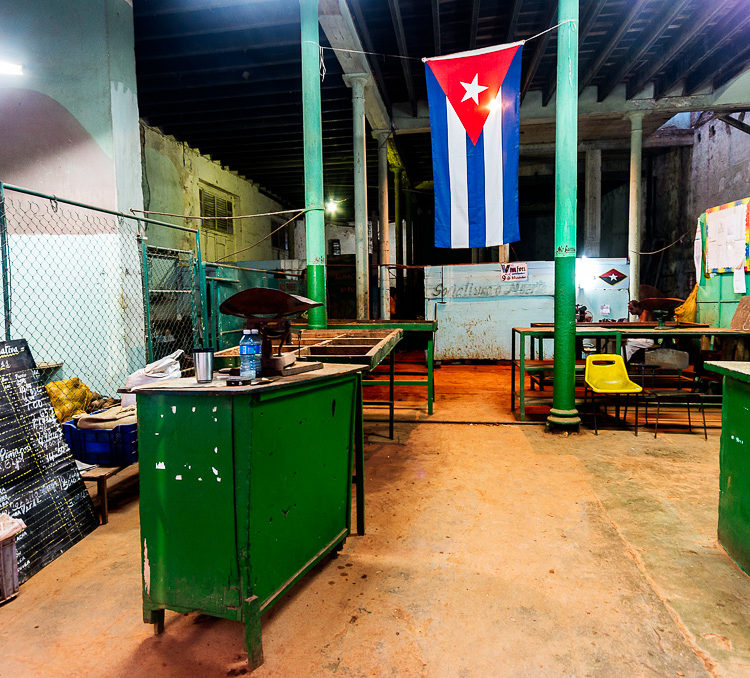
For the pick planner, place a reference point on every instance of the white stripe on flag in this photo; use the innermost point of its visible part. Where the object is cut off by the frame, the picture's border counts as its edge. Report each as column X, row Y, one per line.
column 493, row 178
column 459, row 189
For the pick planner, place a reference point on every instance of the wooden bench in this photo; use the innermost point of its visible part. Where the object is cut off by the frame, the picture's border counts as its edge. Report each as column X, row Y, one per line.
column 100, row 475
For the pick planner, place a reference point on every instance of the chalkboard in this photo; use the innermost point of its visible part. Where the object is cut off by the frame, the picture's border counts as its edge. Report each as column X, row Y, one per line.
column 39, row 480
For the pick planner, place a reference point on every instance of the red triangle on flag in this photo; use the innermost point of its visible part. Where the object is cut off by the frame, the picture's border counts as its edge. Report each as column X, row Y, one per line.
column 471, row 83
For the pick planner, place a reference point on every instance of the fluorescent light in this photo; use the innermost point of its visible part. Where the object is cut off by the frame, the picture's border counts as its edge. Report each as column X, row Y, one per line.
column 331, row 207
column 8, row 68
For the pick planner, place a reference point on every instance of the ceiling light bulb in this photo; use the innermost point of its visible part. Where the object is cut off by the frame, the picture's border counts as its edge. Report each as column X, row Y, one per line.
column 331, row 207
column 8, row 68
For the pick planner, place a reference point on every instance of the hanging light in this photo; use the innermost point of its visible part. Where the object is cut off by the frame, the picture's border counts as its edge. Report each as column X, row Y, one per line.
column 8, row 68
column 331, row 207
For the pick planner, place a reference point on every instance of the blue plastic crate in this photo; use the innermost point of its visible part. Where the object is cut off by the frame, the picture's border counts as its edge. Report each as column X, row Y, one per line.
column 105, row 447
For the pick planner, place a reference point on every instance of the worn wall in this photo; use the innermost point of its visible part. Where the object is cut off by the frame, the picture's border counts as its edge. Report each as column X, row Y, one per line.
column 70, row 128
column 667, row 175
column 172, row 176
column 721, row 166
column 70, row 122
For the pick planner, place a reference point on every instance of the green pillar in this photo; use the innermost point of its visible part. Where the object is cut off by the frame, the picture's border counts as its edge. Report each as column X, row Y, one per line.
column 313, row 138
column 564, row 413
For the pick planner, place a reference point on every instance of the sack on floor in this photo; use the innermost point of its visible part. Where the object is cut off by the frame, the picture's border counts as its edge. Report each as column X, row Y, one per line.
column 69, row 397
column 166, row 368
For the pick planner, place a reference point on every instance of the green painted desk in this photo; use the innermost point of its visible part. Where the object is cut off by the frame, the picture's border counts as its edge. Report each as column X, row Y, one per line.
column 428, row 327
column 734, row 461
column 244, row 489
column 616, row 331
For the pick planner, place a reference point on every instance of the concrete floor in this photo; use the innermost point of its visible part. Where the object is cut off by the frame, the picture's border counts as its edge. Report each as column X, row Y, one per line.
column 492, row 550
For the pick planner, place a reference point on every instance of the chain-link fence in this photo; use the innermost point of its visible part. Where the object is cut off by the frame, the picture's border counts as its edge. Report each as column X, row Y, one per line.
column 73, row 286
column 172, row 303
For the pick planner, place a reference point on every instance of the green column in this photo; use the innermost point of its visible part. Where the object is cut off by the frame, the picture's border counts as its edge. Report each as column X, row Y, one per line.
column 564, row 413
column 313, row 138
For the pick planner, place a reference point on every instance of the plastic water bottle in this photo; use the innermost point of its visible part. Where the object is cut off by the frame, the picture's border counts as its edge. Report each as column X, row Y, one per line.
column 257, row 352
column 247, row 355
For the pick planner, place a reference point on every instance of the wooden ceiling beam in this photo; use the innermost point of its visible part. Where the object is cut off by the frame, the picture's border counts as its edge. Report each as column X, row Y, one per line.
column 436, row 40
column 398, row 27
column 732, row 68
column 642, row 46
column 513, row 22
column 541, row 48
column 220, row 43
column 589, row 19
column 733, row 122
column 701, row 67
column 621, row 28
column 707, row 13
column 585, row 25
column 367, row 43
column 474, row 23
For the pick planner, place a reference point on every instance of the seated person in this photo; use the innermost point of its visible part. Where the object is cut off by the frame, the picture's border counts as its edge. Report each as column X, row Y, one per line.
column 635, row 348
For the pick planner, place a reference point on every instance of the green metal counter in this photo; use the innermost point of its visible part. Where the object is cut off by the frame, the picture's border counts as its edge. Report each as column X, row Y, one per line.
column 243, row 490
column 734, row 461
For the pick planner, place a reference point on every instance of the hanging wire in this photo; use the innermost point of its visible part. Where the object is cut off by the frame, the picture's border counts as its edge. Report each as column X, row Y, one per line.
column 409, row 58
column 266, row 237
column 679, row 240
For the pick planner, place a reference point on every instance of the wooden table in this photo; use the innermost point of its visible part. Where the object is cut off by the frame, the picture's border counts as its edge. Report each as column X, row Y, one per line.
column 100, row 475
column 615, row 331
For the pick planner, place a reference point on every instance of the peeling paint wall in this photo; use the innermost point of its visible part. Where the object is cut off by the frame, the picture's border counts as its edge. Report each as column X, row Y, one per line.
column 172, row 176
column 721, row 166
column 667, row 190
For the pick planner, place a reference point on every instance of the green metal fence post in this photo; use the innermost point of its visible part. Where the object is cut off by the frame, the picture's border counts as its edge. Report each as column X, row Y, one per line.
column 564, row 413
column 205, row 338
column 6, row 262
column 313, row 140
column 146, row 296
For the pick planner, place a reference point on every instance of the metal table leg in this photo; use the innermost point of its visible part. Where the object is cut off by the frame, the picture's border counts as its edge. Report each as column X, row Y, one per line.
column 522, row 375
column 359, row 459
column 430, row 372
column 513, row 371
column 392, row 403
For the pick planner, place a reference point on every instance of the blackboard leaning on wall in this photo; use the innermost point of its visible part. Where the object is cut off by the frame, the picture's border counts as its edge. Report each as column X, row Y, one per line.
column 39, row 480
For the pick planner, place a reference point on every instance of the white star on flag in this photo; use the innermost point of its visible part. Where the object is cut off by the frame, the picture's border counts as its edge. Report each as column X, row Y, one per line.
column 473, row 89
column 613, row 276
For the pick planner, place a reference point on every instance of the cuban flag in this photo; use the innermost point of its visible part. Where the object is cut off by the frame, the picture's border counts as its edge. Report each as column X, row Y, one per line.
column 474, row 100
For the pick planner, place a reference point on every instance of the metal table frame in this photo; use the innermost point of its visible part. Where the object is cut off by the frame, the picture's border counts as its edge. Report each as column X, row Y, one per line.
column 617, row 333
column 428, row 327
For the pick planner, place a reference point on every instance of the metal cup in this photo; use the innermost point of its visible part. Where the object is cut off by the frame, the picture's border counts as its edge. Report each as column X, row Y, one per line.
column 204, row 365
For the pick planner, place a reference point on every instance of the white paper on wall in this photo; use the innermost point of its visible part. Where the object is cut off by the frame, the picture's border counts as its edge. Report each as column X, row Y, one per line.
column 725, row 237
column 698, row 251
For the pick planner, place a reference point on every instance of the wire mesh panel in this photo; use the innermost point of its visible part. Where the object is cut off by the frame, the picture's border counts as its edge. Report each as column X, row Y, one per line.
column 74, row 291
column 173, row 303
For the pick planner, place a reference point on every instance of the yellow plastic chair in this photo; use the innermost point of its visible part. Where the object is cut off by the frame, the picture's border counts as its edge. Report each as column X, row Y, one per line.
column 606, row 374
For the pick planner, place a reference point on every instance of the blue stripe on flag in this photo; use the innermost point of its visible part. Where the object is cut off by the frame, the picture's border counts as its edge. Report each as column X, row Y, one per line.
column 511, row 116
column 475, row 180
column 440, row 170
